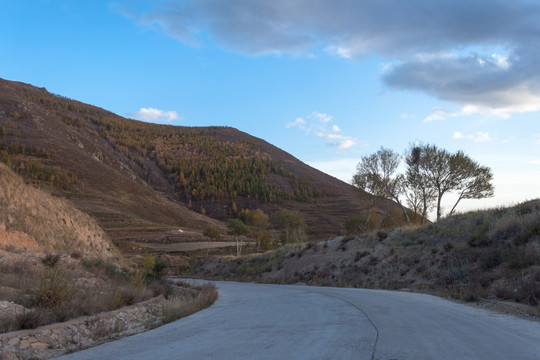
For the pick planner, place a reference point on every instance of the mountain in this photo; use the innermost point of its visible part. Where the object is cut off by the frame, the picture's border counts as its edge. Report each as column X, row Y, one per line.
column 134, row 176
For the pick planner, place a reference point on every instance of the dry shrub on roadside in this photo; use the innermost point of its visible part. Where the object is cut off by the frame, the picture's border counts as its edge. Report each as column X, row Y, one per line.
column 181, row 305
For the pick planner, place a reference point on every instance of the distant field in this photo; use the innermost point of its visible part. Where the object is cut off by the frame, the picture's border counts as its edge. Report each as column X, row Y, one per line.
column 191, row 246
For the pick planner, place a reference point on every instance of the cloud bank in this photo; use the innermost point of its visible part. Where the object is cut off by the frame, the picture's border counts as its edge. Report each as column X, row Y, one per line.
column 479, row 54
column 155, row 115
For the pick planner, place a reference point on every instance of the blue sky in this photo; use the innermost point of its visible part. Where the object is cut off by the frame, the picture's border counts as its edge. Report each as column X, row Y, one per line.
column 327, row 81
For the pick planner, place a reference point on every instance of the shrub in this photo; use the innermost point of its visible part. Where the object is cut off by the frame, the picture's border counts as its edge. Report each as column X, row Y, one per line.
column 490, row 259
column 54, row 290
column 31, row 319
column 212, row 232
column 505, row 228
column 51, row 260
column 381, row 235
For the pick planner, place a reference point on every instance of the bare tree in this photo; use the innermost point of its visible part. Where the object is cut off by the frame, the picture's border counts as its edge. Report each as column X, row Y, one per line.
column 377, row 174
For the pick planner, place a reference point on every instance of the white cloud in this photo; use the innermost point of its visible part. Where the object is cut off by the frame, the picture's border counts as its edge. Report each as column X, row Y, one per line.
column 537, row 137
column 477, row 137
column 438, row 115
column 325, row 118
column 155, row 115
column 299, row 123
column 336, row 140
column 346, row 143
column 319, row 124
column 341, row 51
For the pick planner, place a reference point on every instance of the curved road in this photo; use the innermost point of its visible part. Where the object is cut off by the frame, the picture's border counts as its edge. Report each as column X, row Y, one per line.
column 255, row 321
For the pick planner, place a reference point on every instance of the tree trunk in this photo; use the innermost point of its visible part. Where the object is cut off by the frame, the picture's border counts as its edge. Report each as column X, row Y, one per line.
column 366, row 224
column 439, row 206
column 384, row 218
column 424, row 209
column 404, row 212
column 457, row 202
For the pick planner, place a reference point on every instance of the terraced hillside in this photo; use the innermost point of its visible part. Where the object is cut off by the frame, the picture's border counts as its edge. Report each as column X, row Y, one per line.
column 132, row 175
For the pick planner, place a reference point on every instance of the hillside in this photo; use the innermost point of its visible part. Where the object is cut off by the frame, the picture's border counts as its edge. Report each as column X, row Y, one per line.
column 32, row 220
column 139, row 177
column 489, row 256
column 57, row 264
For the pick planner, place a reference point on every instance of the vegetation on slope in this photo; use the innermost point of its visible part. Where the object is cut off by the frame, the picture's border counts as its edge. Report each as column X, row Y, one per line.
column 56, row 263
column 479, row 255
column 207, row 163
column 115, row 168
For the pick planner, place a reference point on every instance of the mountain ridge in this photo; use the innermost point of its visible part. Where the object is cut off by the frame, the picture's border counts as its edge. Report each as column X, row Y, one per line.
column 149, row 176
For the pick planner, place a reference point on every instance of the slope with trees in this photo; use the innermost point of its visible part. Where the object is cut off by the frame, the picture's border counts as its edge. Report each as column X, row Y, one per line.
column 132, row 175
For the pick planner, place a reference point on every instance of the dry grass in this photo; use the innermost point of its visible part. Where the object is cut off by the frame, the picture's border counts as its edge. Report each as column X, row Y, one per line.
column 63, row 290
column 31, row 219
column 476, row 256
column 185, row 303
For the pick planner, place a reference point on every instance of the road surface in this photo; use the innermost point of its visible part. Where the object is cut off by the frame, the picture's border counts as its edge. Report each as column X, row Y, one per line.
column 255, row 321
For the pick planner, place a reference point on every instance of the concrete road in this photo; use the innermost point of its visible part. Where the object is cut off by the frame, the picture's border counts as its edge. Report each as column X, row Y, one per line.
column 254, row 321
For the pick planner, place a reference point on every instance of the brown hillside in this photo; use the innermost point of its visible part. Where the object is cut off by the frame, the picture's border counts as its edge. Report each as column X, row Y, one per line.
column 33, row 220
column 135, row 176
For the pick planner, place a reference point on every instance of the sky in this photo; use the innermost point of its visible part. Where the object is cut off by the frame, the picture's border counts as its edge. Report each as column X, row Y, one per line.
column 328, row 81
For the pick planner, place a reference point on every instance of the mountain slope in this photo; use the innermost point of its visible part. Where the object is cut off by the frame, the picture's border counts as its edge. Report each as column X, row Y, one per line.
column 135, row 175
column 32, row 220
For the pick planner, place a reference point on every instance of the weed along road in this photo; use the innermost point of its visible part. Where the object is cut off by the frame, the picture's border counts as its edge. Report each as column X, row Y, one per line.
column 255, row 321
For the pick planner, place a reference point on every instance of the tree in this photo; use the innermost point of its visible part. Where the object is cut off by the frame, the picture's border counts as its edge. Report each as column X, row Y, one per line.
column 293, row 225
column 259, row 223
column 441, row 172
column 211, row 232
column 377, row 174
column 475, row 182
column 420, row 196
column 237, row 228
column 369, row 184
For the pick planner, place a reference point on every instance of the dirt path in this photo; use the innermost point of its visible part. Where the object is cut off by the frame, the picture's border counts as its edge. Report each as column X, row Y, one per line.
column 188, row 246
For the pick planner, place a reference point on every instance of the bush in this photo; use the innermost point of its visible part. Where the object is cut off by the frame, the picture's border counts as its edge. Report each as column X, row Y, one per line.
column 212, row 232
column 51, row 260
column 54, row 290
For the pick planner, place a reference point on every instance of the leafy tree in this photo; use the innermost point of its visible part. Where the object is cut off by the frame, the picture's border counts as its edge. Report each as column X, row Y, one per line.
column 254, row 218
column 211, row 232
column 475, row 180
column 441, row 172
column 420, row 196
column 293, row 225
column 258, row 221
column 237, row 228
